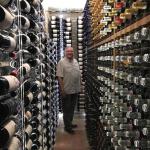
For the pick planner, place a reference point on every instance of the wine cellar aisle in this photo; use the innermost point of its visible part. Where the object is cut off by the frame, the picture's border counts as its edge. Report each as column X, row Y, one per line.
column 78, row 141
column 111, row 41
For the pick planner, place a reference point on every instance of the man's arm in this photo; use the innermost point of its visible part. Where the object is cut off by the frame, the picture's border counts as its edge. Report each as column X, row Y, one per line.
column 61, row 83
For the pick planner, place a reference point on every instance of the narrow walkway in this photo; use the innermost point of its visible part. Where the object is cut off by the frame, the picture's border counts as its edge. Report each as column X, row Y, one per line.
column 78, row 141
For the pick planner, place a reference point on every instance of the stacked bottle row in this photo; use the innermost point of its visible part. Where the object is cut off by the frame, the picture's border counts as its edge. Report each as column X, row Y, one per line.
column 125, row 91
column 25, row 83
column 87, row 25
column 67, row 30
column 110, row 15
column 117, row 74
column 55, row 25
column 81, row 101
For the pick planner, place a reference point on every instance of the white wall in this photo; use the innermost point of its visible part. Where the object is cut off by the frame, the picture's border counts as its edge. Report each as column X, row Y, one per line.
column 62, row 4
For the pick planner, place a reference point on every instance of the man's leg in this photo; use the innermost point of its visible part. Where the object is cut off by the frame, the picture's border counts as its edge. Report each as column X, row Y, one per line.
column 74, row 98
column 66, row 103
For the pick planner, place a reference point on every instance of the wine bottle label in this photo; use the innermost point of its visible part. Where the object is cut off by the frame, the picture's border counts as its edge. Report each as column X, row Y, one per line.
column 14, row 144
column 29, row 144
column 139, row 5
column 13, row 82
column 11, row 128
column 6, row 19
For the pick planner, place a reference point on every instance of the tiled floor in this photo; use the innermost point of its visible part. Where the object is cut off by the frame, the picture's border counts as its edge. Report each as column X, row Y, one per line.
column 78, row 141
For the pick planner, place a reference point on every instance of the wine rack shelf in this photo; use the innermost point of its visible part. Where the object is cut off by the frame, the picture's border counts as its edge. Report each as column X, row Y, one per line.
column 28, row 87
column 142, row 22
column 117, row 74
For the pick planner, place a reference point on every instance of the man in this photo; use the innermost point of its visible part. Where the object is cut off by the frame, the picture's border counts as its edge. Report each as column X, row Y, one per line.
column 69, row 78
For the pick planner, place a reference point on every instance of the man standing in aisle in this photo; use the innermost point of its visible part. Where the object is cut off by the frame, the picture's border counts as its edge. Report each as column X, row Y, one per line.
column 69, row 78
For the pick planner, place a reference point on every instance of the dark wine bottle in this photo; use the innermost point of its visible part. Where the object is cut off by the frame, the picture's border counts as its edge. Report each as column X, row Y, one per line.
column 7, row 132
column 33, row 50
column 33, row 12
column 7, row 108
column 33, row 62
column 28, row 99
column 25, row 6
column 24, row 22
column 8, row 83
column 23, row 39
column 33, row 37
column 6, row 19
column 34, row 26
column 7, row 43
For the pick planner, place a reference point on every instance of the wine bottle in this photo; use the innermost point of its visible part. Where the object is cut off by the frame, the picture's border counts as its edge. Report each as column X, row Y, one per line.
column 16, row 55
column 144, row 144
column 27, row 117
column 8, row 83
column 33, row 38
column 24, row 22
column 33, row 62
column 33, row 50
column 28, row 99
column 35, row 86
column 6, row 3
column 28, row 132
column 33, row 12
column 7, row 108
column 14, row 144
column 23, row 39
column 29, row 145
column 7, row 96
column 25, row 6
column 6, row 19
column 7, row 43
column 7, row 132
column 35, row 3
column 34, row 26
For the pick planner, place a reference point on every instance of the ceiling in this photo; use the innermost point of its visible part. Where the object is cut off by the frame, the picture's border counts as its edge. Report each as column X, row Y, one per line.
column 64, row 4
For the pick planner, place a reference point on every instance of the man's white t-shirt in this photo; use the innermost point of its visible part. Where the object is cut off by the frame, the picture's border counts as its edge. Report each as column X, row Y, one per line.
column 70, row 72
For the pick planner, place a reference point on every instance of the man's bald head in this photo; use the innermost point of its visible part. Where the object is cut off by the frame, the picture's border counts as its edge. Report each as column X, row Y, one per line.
column 69, row 52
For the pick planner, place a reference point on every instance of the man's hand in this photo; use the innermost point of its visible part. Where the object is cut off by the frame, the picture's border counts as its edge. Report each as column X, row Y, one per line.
column 63, row 94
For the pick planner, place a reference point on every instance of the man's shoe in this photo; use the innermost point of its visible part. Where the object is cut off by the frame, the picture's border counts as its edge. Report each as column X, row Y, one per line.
column 69, row 130
column 74, row 126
